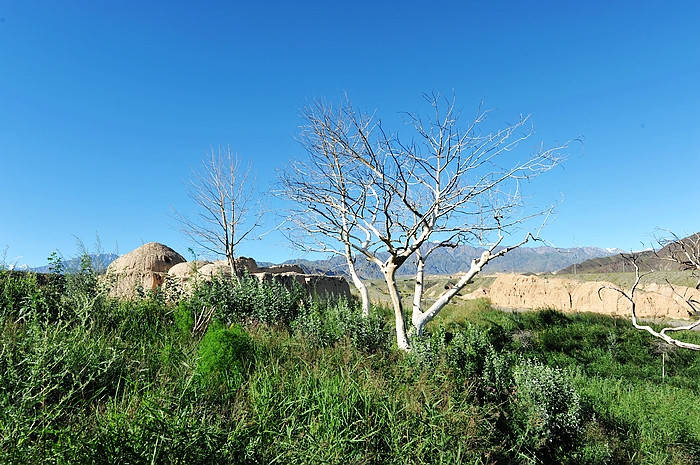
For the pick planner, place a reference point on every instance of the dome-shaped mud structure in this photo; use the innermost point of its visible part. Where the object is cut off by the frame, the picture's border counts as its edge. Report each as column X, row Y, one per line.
column 147, row 268
column 143, row 268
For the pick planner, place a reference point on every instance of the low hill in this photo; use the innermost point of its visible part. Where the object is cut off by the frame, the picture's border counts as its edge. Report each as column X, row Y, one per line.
column 648, row 260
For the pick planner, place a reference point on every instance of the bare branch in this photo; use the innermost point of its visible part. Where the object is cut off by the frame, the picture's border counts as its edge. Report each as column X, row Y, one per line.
column 630, row 297
column 228, row 209
column 366, row 192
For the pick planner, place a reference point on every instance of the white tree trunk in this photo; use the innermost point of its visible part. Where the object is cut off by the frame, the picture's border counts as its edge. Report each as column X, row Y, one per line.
column 359, row 285
column 390, row 278
column 418, row 292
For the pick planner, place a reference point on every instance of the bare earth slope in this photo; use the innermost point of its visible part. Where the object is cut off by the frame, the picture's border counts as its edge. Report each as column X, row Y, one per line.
column 568, row 295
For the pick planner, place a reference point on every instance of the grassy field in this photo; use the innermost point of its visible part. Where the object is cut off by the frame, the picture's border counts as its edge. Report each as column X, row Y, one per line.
column 278, row 377
column 433, row 287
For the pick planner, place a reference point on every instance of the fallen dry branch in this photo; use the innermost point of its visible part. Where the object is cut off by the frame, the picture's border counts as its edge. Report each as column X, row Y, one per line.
column 663, row 334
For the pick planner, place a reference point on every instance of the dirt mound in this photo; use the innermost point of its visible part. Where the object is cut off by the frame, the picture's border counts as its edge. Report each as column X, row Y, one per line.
column 567, row 295
column 184, row 269
column 182, row 273
column 217, row 268
column 143, row 268
column 147, row 267
column 152, row 257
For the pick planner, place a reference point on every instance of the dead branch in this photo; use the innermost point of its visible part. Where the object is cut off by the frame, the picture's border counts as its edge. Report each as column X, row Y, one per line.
column 663, row 334
column 228, row 210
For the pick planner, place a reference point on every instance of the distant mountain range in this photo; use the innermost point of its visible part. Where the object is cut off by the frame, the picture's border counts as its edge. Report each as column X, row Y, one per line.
column 444, row 261
column 100, row 262
column 448, row 261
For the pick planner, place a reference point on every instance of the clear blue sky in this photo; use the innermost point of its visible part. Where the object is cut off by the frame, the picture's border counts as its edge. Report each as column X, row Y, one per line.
column 106, row 106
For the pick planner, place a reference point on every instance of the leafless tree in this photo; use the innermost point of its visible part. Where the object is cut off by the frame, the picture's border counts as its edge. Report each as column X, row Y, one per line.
column 388, row 199
column 329, row 189
column 226, row 203
column 693, row 308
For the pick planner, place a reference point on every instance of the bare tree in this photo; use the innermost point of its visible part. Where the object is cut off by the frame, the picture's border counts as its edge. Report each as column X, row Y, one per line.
column 329, row 189
column 445, row 185
column 631, row 296
column 227, row 208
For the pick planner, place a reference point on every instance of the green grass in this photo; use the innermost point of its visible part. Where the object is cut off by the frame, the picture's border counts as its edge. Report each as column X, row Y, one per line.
column 433, row 286
column 659, row 421
column 276, row 379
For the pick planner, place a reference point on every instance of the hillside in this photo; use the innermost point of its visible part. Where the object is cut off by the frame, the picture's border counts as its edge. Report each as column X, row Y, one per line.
column 648, row 261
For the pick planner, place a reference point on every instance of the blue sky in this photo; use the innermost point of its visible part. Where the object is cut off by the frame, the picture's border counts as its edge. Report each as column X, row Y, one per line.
column 106, row 106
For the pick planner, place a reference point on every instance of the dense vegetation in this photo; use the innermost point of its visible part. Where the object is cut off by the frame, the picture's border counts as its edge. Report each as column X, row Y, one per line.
column 251, row 373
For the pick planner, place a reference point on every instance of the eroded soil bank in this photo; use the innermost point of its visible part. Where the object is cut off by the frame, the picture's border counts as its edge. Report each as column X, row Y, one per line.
column 653, row 301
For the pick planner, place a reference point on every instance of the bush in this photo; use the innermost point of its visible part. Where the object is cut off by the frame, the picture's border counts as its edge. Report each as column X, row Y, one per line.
column 248, row 298
column 21, row 298
column 368, row 334
column 324, row 323
column 184, row 317
column 471, row 355
column 319, row 324
column 547, row 410
column 427, row 351
column 223, row 354
column 51, row 375
column 274, row 303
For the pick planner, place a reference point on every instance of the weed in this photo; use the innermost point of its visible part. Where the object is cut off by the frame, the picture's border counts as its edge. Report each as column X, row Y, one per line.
column 277, row 376
column 223, row 354
column 547, row 410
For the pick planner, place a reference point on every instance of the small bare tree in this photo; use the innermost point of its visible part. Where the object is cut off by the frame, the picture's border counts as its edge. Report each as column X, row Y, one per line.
column 693, row 306
column 392, row 199
column 329, row 189
column 227, row 207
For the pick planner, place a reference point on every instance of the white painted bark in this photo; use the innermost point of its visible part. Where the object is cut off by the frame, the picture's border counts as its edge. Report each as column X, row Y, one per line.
column 358, row 283
column 390, row 278
column 420, row 319
column 418, row 291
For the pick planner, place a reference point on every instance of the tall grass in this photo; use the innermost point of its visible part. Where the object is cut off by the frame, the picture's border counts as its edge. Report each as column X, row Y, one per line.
column 276, row 376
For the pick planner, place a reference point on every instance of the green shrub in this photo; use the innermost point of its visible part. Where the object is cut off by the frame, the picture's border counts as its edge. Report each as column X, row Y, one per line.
column 21, row 298
column 319, row 324
column 547, row 410
column 274, row 303
column 248, row 298
column 223, row 354
column 368, row 334
column 52, row 374
column 82, row 280
column 427, row 350
column 471, row 355
column 325, row 322
column 184, row 317
column 470, row 358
